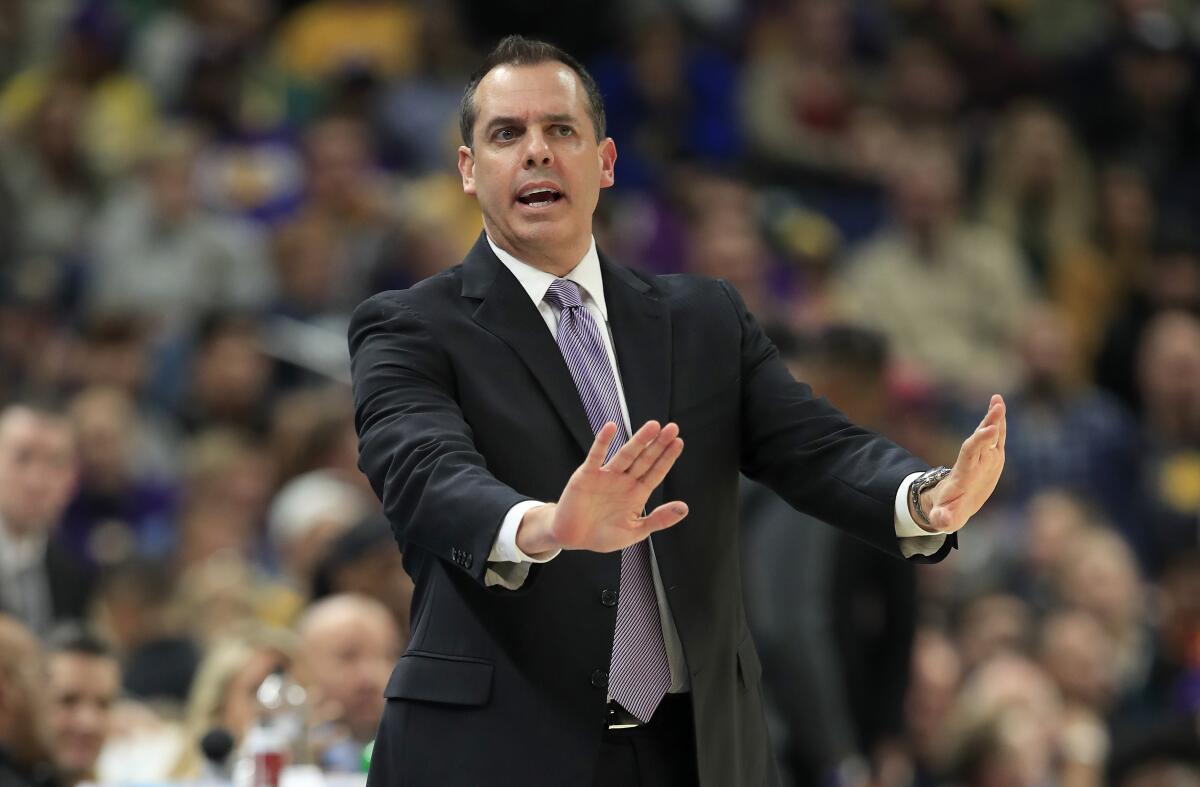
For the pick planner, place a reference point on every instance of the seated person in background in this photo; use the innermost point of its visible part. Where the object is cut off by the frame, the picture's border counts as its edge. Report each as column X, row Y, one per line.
column 350, row 644
column 85, row 680
column 25, row 738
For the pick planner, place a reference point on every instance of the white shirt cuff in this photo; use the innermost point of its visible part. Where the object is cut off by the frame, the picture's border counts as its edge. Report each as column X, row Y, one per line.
column 914, row 540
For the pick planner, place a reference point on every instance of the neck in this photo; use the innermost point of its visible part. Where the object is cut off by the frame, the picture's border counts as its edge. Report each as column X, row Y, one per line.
column 557, row 260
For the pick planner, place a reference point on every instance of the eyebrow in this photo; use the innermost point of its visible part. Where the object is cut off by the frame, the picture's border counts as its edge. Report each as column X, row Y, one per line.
column 499, row 122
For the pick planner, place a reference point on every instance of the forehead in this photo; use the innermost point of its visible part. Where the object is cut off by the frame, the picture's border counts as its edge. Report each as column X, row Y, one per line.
column 549, row 88
column 97, row 673
column 26, row 428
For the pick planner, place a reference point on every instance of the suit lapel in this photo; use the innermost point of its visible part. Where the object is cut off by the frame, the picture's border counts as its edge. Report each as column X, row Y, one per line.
column 507, row 313
column 641, row 330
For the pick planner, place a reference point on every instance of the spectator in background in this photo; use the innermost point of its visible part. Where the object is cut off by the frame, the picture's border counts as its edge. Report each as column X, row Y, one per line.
column 321, row 39
column 85, row 681
column 1064, row 432
column 124, row 504
column 1091, row 283
column 26, row 738
column 50, row 193
column 1038, row 188
column 1170, row 282
column 668, row 100
column 1137, row 97
column 230, row 381
column 363, row 560
column 172, row 41
column 227, row 485
column 308, row 514
column 346, row 189
column 40, row 582
column 224, row 694
column 416, row 115
column 1169, row 379
column 119, row 115
column 158, row 254
column 727, row 243
column 800, row 89
column 134, row 607
column 1100, row 576
column 350, row 645
column 949, row 294
column 313, row 429
column 1074, row 651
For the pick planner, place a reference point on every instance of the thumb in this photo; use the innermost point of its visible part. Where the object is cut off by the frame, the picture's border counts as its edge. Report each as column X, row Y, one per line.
column 665, row 516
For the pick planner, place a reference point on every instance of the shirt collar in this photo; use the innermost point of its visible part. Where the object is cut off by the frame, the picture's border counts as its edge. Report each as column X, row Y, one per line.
column 536, row 281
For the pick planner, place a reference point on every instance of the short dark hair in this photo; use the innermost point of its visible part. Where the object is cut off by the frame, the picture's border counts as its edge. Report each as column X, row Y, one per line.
column 521, row 51
column 76, row 638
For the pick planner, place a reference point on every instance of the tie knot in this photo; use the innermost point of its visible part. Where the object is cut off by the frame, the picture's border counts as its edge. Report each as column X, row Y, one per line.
column 564, row 294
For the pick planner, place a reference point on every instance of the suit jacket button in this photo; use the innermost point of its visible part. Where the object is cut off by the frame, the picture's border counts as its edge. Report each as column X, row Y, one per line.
column 608, row 597
column 600, row 679
column 467, row 560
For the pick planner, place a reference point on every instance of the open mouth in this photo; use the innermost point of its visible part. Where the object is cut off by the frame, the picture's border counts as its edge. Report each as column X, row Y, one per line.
column 540, row 198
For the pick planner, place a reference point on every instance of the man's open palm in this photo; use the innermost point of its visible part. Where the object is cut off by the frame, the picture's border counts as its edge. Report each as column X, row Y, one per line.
column 601, row 507
column 974, row 475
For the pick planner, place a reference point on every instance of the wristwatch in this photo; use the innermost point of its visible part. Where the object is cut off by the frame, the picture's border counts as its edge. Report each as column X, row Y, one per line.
column 927, row 480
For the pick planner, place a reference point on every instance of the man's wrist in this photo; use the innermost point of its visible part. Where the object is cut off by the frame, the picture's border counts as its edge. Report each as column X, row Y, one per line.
column 926, row 505
column 534, row 535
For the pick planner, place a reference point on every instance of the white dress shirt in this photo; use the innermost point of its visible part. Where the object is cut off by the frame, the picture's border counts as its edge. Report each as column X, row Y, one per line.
column 24, row 587
column 508, row 566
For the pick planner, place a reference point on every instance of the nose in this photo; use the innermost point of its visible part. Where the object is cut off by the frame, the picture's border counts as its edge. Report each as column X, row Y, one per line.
column 538, row 152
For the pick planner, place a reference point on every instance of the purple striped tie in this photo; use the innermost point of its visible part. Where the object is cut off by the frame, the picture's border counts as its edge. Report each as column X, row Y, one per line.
column 639, row 675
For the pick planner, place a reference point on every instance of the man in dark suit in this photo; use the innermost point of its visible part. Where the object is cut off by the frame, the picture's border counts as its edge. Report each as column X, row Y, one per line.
column 600, row 638
column 40, row 581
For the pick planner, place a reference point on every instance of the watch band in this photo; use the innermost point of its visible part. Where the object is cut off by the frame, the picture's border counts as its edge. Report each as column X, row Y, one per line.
column 926, row 480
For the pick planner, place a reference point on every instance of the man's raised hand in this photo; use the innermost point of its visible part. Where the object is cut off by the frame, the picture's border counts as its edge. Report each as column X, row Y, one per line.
column 974, row 475
column 601, row 507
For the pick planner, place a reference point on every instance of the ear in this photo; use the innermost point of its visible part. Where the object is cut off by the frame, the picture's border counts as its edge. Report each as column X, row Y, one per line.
column 466, row 168
column 608, row 161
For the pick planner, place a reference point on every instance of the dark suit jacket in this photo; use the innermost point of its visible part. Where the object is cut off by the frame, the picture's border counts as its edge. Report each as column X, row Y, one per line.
column 465, row 407
column 70, row 583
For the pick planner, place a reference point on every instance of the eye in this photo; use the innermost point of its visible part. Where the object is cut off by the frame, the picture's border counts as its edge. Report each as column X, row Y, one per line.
column 564, row 131
column 505, row 135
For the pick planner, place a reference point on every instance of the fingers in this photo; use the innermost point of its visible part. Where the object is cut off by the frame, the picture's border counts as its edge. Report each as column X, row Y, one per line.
column 665, row 516
column 663, row 464
column 629, row 452
column 599, row 449
column 650, row 455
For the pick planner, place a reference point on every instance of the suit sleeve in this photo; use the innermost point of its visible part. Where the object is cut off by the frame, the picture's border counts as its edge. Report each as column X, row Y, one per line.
column 806, row 450
column 415, row 446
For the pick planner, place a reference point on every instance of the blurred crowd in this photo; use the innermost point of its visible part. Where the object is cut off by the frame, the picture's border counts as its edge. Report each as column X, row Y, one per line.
column 924, row 201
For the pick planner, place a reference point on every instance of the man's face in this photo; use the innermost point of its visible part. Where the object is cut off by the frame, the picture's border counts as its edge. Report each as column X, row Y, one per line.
column 37, row 470
column 351, row 660
column 533, row 134
column 83, row 688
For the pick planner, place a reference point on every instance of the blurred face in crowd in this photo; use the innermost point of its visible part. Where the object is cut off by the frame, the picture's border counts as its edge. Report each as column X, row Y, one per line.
column 37, row 470
column 1077, row 653
column 104, row 423
column 240, row 703
column 24, row 721
column 1169, row 374
column 351, row 645
column 83, row 688
column 925, row 187
column 535, row 164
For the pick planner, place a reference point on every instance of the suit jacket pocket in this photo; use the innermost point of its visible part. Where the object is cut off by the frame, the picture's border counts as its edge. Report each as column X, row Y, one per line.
column 435, row 677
